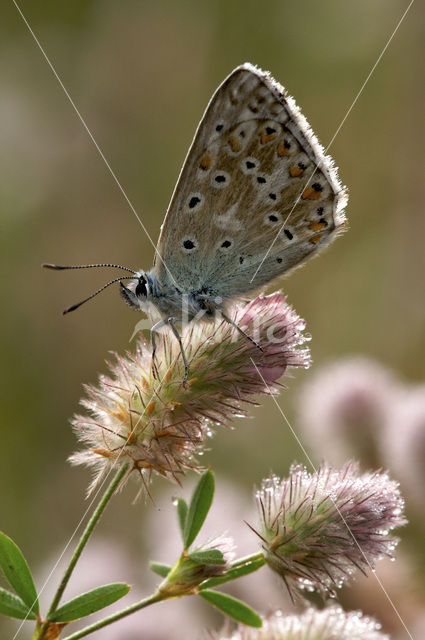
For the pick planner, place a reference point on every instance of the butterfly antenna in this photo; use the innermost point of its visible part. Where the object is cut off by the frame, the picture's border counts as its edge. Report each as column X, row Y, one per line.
column 60, row 267
column 78, row 304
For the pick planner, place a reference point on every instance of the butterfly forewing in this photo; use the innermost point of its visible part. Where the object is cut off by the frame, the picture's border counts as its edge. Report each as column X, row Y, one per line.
column 256, row 196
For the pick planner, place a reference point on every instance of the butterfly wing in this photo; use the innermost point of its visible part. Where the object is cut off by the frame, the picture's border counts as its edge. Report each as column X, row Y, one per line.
column 256, row 197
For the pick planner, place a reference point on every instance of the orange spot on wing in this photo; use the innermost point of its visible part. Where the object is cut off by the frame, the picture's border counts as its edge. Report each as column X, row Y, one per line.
column 311, row 194
column 296, row 172
column 317, row 226
column 267, row 137
column 234, row 143
column 315, row 239
column 206, row 162
column 282, row 150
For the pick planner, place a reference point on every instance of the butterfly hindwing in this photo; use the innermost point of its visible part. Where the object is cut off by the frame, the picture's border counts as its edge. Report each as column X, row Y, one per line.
column 256, row 196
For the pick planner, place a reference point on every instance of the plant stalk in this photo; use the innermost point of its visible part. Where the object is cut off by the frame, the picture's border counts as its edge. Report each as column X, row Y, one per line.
column 81, row 544
column 155, row 597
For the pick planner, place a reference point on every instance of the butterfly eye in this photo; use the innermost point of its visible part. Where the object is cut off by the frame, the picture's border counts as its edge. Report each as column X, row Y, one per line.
column 141, row 288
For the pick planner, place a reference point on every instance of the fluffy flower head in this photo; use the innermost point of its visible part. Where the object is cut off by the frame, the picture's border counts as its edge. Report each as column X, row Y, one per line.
column 156, row 423
column 317, row 528
column 330, row 624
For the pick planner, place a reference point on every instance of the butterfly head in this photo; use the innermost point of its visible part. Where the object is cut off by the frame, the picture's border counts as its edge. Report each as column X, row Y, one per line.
column 136, row 294
column 138, row 291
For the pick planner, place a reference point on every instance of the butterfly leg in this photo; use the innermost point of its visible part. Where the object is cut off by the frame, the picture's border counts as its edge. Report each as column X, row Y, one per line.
column 154, row 329
column 230, row 321
column 171, row 322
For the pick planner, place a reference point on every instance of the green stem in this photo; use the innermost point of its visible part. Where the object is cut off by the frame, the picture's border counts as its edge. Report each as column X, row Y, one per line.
column 155, row 597
column 152, row 599
column 82, row 543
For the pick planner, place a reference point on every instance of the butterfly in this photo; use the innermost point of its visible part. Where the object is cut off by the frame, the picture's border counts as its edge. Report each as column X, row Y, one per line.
column 256, row 198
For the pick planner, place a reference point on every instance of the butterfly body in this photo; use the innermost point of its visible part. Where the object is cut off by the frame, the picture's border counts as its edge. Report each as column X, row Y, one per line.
column 144, row 293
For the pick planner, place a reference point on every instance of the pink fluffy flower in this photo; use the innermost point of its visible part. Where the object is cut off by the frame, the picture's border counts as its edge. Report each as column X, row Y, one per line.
column 403, row 443
column 330, row 624
column 159, row 425
column 318, row 528
column 343, row 408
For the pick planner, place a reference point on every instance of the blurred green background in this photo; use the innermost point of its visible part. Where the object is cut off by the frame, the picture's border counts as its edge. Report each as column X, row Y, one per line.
column 141, row 74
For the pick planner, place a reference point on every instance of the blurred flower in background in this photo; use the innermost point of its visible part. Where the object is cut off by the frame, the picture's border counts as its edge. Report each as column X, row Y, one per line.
column 402, row 443
column 343, row 407
column 329, row 624
column 358, row 407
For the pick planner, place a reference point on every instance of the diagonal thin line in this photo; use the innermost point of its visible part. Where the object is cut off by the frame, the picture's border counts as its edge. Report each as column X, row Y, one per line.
column 370, row 74
column 113, row 466
column 341, row 124
column 152, row 243
column 91, row 136
column 336, row 507
column 68, row 544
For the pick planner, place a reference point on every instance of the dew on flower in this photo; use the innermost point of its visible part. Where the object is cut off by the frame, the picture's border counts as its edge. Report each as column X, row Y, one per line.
column 331, row 623
column 317, row 529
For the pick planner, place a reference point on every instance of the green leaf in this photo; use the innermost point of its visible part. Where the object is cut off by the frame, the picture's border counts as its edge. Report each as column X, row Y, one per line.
column 233, row 574
column 89, row 602
column 12, row 606
column 17, row 572
column 210, row 556
column 198, row 509
column 161, row 569
column 182, row 510
column 234, row 608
